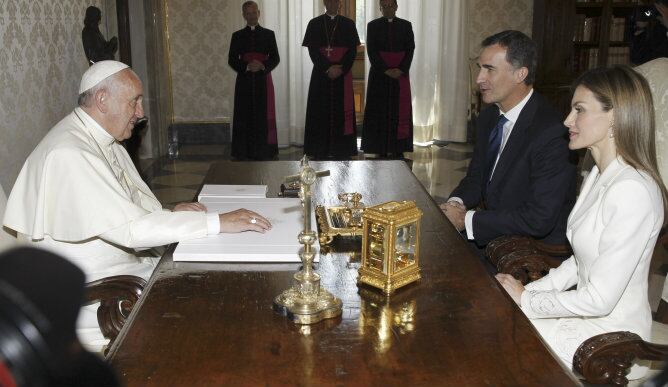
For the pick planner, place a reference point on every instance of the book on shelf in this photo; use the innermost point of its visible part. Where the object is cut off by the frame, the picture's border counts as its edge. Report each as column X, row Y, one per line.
column 619, row 55
column 585, row 59
column 586, row 28
column 617, row 29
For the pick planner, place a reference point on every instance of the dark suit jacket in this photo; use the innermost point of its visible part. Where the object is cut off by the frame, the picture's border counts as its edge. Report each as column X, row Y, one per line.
column 532, row 190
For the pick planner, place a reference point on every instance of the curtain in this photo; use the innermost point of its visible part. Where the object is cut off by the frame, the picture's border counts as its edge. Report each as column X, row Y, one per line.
column 288, row 19
column 440, row 75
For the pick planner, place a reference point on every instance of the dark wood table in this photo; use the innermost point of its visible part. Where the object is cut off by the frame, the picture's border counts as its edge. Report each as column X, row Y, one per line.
column 213, row 324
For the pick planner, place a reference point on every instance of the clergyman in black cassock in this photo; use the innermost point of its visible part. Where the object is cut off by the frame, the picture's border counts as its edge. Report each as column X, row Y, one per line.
column 330, row 112
column 388, row 116
column 253, row 55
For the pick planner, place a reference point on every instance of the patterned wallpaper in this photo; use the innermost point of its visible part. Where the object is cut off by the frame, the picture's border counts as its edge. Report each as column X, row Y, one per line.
column 41, row 62
column 199, row 40
column 490, row 16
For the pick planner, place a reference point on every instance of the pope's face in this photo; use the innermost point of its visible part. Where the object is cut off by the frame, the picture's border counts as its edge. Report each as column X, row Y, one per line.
column 332, row 6
column 251, row 14
column 124, row 105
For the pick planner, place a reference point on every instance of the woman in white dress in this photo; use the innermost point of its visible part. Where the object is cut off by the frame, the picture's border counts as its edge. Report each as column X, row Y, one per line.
column 613, row 226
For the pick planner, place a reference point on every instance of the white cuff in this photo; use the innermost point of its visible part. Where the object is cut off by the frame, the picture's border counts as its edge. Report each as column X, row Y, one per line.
column 212, row 223
column 468, row 222
column 456, row 199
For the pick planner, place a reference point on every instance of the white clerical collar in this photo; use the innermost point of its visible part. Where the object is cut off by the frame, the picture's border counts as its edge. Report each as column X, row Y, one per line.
column 252, row 27
column 332, row 17
column 513, row 114
column 389, row 20
column 98, row 132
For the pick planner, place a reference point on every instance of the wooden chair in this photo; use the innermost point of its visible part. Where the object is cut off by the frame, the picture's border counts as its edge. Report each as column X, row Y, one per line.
column 524, row 257
column 117, row 295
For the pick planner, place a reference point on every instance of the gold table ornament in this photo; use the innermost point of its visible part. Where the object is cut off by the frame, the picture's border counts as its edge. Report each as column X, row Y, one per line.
column 390, row 245
column 344, row 220
column 306, row 302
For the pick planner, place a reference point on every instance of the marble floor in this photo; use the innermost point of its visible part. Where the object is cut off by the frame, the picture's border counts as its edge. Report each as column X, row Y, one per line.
column 438, row 168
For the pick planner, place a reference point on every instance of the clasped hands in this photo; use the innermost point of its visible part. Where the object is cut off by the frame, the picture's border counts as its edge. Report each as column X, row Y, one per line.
column 394, row 73
column 255, row 66
column 334, row 71
column 455, row 212
column 234, row 221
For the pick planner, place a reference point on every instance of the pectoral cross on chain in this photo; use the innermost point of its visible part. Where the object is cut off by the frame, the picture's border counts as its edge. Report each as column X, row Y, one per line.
column 329, row 50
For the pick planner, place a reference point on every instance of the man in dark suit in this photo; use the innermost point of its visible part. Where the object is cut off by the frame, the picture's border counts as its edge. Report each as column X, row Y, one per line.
column 520, row 180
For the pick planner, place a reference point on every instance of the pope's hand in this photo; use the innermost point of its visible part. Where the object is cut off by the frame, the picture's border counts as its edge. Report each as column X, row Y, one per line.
column 243, row 220
column 197, row 207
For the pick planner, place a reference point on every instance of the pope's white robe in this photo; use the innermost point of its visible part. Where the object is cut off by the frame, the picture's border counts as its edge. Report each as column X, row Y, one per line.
column 613, row 228
column 79, row 195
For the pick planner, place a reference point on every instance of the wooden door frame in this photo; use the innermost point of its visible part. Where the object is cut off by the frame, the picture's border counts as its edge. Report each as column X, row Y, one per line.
column 123, row 19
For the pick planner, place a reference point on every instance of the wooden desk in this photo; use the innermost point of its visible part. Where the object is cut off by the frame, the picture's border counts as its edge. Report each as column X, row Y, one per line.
column 213, row 324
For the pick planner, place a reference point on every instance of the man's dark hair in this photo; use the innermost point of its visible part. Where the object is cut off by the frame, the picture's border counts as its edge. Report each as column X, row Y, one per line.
column 520, row 51
column 246, row 5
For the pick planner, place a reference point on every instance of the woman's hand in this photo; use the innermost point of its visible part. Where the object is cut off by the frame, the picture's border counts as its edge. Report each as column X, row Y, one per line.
column 197, row 207
column 512, row 286
column 243, row 220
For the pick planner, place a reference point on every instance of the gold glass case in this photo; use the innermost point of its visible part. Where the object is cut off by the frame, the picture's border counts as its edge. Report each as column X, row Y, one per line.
column 344, row 220
column 390, row 245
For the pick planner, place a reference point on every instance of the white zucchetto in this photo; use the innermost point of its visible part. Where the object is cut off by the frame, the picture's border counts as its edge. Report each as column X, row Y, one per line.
column 99, row 72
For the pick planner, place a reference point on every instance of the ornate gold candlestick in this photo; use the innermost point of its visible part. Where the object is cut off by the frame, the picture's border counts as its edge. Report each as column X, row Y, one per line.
column 306, row 302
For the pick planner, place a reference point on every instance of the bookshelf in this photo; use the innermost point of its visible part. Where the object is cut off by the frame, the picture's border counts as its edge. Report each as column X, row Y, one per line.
column 574, row 36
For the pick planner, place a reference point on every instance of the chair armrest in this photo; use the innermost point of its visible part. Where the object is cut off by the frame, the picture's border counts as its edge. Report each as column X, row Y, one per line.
column 117, row 296
column 523, row 257
column 606, row 358
column 526, row 265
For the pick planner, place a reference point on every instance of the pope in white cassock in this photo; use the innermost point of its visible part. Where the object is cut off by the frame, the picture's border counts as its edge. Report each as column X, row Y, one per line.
column 79, row 194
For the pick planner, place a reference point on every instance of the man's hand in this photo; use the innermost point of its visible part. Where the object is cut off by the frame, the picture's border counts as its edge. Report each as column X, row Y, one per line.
column 255, row 66
column 190, row 207
column 512, row 286
column 456, row 212
column 243, row 220
column 334, row 71
column 394, row 73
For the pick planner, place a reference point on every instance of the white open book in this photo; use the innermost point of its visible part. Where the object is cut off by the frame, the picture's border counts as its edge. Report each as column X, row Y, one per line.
column 277, row 245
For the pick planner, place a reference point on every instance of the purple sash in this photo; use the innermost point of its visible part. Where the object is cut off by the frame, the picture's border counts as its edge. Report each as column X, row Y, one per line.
column 393, row 60
column 271, row 100
column 334, row 56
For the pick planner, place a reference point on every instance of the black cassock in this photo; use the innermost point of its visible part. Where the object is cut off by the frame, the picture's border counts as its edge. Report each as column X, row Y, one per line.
column 388, row 116
column 330, row 111
column 254, row 122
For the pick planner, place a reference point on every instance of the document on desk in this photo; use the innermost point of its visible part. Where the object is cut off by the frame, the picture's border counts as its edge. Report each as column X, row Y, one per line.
column 232, row 191
column 279, row 244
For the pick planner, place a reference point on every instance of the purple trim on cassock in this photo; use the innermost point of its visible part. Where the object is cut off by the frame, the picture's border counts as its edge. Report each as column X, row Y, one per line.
column 393, row 60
